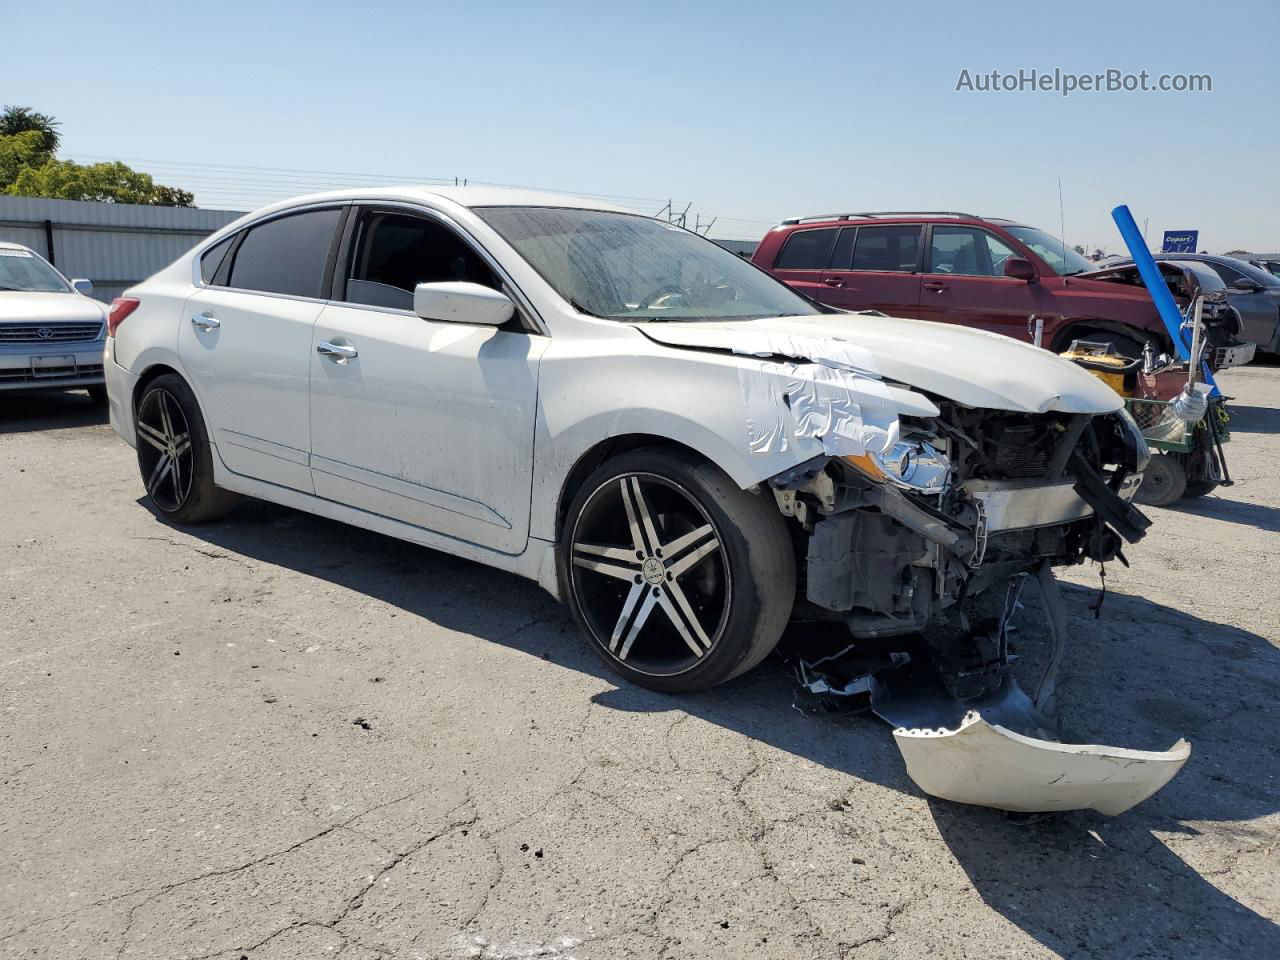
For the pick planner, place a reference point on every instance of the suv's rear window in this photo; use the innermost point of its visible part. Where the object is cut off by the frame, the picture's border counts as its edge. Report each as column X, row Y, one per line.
column 806, row 250
column 892, row 249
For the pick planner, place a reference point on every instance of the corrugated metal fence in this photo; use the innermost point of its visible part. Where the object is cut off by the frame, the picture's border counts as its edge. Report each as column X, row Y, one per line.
column 113, row 244
column 117, row 244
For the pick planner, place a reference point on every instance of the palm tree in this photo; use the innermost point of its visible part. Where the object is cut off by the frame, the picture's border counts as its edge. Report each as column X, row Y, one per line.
column 21, row 119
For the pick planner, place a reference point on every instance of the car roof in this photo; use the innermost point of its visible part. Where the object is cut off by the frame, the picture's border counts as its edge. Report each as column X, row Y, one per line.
column 468, row 196
column 906, row 216
column 6, row 245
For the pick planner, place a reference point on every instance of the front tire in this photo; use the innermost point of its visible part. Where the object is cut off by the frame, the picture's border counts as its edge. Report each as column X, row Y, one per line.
column 680, row 579
column 174, row 455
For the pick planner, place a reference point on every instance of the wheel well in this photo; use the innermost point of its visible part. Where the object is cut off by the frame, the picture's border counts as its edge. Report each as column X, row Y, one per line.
column 1075, row 329
column 148, row 375
column 605, row 450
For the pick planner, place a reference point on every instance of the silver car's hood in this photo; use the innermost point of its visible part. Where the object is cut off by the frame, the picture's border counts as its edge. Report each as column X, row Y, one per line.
column 30, row 307
column 972, row 367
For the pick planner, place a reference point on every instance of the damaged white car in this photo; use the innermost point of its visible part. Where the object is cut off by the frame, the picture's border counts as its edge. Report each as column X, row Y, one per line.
column 680, row 447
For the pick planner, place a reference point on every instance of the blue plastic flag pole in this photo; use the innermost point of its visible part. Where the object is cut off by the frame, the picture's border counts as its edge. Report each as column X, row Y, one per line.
column 1159, row 290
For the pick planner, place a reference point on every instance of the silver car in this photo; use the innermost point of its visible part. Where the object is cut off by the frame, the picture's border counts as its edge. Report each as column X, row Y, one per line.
column 51, row 334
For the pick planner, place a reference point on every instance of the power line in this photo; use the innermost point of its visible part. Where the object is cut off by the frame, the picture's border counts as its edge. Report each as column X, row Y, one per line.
column 250, row 186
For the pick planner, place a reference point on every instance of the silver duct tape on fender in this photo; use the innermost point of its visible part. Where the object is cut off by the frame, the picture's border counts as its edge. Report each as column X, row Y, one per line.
column 834, row 403
column 988, row 765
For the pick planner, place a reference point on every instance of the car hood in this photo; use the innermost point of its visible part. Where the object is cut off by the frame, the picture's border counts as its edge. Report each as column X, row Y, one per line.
column 971, row 367
column 32, row 307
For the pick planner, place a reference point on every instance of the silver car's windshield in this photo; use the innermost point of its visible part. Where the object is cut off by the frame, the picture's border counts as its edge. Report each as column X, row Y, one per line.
column 1061, row 259
column 633, row 268
column 23, row 270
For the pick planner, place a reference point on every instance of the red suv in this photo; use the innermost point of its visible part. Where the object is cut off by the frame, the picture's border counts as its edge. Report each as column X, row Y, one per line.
column 957, row 268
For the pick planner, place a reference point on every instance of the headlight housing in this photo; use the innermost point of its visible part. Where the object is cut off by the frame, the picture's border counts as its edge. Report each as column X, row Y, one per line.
column 912, row 463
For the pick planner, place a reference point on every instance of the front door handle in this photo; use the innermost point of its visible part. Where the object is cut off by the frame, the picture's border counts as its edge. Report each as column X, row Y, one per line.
column 337, row 352
column 205, row 321
column 833, row 281
column 937, row 286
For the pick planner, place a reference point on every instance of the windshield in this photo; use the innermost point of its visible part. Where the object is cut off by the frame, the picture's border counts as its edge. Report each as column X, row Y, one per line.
column 23, row 270
column 628, row 267
column 1253, row 272
column 1063, row 261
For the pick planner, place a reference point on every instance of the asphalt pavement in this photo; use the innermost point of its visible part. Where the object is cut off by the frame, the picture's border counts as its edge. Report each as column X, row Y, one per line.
column 279, row 737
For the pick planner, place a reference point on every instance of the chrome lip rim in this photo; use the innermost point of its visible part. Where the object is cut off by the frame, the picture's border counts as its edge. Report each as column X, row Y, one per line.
column 658, row 569
column 165, row 455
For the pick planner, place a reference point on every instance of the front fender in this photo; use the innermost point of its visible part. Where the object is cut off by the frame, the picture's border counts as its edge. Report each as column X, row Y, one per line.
column 692, row 398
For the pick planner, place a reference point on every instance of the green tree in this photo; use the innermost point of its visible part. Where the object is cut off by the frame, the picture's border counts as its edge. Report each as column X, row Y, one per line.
column 23, row 119
column 104, row 182
column 18, row 152
column 28, row 168
column 1079, row 248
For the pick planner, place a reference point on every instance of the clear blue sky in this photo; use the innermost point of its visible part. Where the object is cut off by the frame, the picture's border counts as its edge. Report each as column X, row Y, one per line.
column 754, row 111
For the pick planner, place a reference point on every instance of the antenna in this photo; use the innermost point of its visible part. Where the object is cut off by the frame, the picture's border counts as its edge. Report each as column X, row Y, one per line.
column 1062, row 228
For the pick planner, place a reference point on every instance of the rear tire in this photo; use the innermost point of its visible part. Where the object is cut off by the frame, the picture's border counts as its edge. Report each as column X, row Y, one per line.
column 1199, row 488
column 174, row 455
column 680, row 579
column 1163, row 481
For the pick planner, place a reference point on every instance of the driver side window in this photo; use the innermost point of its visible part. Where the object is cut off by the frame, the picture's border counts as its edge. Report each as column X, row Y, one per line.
column 966, row 251
column 391, row 253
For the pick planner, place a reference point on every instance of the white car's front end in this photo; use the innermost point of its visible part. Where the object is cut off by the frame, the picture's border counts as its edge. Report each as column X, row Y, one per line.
column 50, row 335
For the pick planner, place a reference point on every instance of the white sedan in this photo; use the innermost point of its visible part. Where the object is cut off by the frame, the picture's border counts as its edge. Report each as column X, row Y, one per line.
column 51, row 333
column 686, row 451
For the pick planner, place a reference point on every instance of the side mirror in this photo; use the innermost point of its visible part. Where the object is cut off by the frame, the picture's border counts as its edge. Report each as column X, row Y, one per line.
column 461, row 302
column 82, row 286
column 1020, row 268
column 1246, row 284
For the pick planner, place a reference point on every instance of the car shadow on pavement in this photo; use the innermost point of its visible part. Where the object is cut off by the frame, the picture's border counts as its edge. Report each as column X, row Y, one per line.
column 1254, row 419
column 23, row 411
column 1081, row 884
column 1257, row 515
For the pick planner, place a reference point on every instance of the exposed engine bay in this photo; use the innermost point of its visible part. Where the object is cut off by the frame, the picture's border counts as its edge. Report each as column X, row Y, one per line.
column 924, row 497
column 935, row 540
column 1188, row 280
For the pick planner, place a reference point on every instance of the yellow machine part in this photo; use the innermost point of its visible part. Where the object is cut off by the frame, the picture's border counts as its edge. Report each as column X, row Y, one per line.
column 1117, row 372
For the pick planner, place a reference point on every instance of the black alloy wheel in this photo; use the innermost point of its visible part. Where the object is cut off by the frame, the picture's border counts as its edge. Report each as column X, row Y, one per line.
column 656, row 567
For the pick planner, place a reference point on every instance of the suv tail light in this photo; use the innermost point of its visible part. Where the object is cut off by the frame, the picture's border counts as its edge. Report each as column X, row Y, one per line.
column 121, row 307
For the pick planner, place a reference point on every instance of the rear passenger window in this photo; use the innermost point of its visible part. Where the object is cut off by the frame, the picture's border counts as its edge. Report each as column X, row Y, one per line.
column 806, row 250
column 395, row 252
column 893, row 249
column 211, row 259
column 286, row 255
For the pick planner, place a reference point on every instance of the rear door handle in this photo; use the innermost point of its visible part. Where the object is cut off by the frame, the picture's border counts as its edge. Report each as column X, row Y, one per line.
column 337, row 352
column 205, row 321
column 833, row 281
column 937, row 286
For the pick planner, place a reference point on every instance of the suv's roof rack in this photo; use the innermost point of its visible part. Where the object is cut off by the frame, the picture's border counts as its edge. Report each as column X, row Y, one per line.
column 883, row 213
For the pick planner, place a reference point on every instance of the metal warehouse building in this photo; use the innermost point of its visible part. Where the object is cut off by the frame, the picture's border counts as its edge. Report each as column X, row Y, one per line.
column 118, row 244
column 113, row 244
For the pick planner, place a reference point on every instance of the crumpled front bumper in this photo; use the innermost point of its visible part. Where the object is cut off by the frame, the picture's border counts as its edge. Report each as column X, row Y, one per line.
column 1001, row 751
column 1004, row 750
column 985, row 764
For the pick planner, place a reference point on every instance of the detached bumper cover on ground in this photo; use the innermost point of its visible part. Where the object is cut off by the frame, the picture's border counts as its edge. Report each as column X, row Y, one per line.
column 986, row 764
